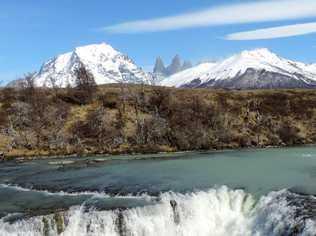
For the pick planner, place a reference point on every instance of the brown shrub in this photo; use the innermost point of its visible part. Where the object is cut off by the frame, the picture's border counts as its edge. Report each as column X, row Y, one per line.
column 109, row 100
column 289, row 134
column 98, row 130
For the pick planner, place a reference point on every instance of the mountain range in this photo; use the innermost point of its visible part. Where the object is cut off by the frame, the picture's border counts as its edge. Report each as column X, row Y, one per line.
column 254, row 69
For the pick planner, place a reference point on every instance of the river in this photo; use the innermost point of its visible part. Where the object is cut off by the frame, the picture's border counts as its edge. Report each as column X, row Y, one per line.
column 241, row 192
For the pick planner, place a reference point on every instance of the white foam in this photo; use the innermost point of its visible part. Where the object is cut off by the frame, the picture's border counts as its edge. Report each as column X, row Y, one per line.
column 216, row 212
column 83, row 193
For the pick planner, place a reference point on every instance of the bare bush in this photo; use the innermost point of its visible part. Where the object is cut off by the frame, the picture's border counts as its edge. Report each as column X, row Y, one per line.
column 109, row 100
column 19, row 127
column 98, row 130
column 289, row 134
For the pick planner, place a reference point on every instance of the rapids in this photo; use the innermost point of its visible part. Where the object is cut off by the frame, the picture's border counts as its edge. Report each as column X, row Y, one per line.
column 231, row 193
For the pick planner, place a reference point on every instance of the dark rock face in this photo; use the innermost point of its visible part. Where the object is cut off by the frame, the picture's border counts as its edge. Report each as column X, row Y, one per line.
column 193, row 84
column 253, row 79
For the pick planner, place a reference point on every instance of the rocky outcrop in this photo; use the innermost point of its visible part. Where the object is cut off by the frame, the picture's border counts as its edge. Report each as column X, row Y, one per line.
column 160, row 70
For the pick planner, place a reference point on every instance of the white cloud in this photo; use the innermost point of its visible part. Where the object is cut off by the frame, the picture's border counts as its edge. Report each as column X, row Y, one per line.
column 259, row 11
column 275, row 32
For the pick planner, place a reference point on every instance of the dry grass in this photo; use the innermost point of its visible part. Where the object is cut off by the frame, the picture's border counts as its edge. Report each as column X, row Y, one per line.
column 193, row 119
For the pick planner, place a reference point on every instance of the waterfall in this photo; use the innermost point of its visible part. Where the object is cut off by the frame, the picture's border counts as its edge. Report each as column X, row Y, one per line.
column 217, row 212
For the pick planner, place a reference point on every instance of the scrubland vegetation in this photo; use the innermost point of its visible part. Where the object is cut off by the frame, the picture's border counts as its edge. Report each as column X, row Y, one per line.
column 123, row 118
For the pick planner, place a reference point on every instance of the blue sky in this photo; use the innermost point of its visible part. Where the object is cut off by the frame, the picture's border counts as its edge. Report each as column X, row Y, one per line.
column 33, row 31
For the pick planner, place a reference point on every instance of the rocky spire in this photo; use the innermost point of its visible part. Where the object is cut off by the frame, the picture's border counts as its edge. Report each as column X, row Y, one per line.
column 159, row 67
column 175, row 66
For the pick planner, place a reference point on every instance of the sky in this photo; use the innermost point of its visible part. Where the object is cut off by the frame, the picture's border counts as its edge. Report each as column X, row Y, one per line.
column 34, row 31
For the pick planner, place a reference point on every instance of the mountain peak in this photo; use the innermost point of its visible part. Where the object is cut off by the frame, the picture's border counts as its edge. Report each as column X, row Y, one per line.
column 95, row 50
column 259, row 53
column 159, row 67
column 106, row 64
column 95, row 46
column 176, row 66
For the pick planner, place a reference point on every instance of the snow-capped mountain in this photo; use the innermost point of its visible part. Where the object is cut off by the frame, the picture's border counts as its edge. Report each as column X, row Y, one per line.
column 258, row 68
column 188, row 76
column 105, row 64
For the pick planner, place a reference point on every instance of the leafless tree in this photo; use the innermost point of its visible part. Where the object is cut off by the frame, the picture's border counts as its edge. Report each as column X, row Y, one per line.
column 85, row 84
column 28, row 88
column 84, row 79
column 123, row 96
column 19, row 125
column 54, row 86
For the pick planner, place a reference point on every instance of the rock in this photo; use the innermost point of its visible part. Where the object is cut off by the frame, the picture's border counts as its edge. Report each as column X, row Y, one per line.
column 159, row 67
column 2, row 157
column 175, row 66
column 176, row 215
column 60, row 223
column 120, row 223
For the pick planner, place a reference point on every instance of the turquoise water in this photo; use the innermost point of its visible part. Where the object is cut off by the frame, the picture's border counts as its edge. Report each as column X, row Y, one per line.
column 151, row 183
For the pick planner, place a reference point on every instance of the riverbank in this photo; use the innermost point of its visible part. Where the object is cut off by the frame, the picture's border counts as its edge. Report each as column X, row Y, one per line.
column 92, row 158
column 130, row 119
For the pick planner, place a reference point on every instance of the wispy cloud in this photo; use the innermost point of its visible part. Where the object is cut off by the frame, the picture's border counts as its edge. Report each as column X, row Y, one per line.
column 275, row 32
column 259, row 11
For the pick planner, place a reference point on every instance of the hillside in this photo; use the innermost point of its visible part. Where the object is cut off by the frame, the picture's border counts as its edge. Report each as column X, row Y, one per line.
column 135, row 118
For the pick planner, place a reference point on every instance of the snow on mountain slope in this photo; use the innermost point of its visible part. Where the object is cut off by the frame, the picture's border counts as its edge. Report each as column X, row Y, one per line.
column 105, row 64
column 311, row 68
column 266, row 68
column 188, row 75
